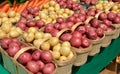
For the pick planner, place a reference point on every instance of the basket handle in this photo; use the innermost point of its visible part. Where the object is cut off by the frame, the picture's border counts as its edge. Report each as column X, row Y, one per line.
column 43, row 40
column 88, row 20
column 75, row 26
column 97, row 15
column 61, row 32
column 23, row 50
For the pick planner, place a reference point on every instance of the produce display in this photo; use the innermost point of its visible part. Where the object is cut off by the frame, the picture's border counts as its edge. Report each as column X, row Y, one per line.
column 16, row 6
column 90, row 2
column 73, row 5
column 108, row 6
column 51, row 10
column 51, row 36
column 35, row 61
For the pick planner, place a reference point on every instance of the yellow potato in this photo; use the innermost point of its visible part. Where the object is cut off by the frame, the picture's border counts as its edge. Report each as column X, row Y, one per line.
column 57, row 47
column 56, row 54
column 30, row 37
column 2, row 34
column 11, row 14
column 32, row 30
column 6, row 26
column 14, row 34
column 3, row 14
column 4, row 19
column 52, row 3
column 37, row 43
column 45, row 46
column 62, row 58
column 39, row 35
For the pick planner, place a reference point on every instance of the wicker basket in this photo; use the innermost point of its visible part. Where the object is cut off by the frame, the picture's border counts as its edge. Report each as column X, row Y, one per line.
column 82, row 55
column 65, row 66
column 116, row 35
column 96, row 45
column 11, row 64
column 108, row 37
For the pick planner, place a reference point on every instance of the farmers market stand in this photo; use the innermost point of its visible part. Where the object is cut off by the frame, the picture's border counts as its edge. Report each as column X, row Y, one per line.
column 94, row 64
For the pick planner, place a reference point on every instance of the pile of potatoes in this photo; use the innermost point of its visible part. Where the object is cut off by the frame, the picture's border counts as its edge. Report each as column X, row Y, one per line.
column 51, row 10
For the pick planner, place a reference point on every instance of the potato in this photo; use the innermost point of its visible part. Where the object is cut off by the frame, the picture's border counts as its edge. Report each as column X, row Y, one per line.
column 46, row 6
column 6, row 26
column 53, row 16
column 51, row 9
column 11, row 14
column 37, row 18
column 45, row 11
column 48, row 20
column 17, row 18
column 71, row 55
column 32, row 30
column 52, row 3
column 37, row 43
column 24, row 35
column 13, row 20
column 42, row 15
column 19, row 30
column 57, row 7
column 3, row 14
column 14, row 34
column 47, row 35
column 30, row 37
column 45, row 46
column 57, row 47
column 56, row 54
column 2, row 34
column 0, row 21
column 62, row 58
column 39, row 35
column 4, row 19
column 115, row 7
column 17, row 14
column 65, row 15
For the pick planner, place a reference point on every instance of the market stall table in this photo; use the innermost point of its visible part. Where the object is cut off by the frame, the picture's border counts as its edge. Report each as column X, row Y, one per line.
column 96, row 63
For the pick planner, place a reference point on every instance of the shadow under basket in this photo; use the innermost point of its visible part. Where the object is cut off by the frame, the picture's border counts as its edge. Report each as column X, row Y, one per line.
column 96, row 45
column 82, row 55
column 65, row 67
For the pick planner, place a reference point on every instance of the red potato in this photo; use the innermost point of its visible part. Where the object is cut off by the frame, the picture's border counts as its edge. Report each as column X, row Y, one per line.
column 5, row 42
column 31, row 24
column 103, row 16
column 49, row 68
column 95, row 23
column 111, row 16
column 23, row 20
column 13, row 49
column 60, row 20
column 21, row 25
column 46, row 56
column 41, row 65
column 33, row 66
column 40, row 23
column 85, row 42
column 76, row 34
column 25, row 58
column 49, row 27
column 76, row 42
column 66, row 37
column 36, row 55
column 81, row 29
